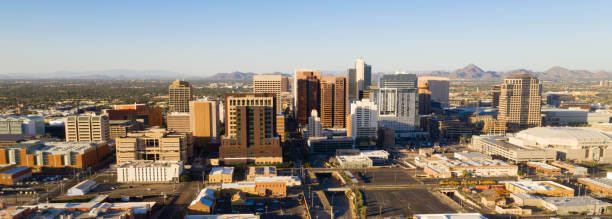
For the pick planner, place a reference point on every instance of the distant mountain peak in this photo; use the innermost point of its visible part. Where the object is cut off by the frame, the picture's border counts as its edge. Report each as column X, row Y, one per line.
column 471, row 68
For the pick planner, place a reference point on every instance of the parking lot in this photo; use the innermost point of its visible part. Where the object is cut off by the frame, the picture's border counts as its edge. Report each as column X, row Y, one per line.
column 267, row 207
column 390, row 203
column 384, row 176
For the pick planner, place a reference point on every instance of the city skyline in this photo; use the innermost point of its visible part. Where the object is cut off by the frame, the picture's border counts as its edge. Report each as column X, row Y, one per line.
column 204, row 38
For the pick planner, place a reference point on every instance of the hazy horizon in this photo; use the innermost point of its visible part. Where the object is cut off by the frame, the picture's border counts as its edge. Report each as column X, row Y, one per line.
column 204, row 38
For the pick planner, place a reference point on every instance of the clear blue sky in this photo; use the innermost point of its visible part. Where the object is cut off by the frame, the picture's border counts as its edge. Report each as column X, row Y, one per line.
column 206, row 37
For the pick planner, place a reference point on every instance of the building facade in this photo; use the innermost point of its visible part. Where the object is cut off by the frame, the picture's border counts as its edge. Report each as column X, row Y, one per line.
column 15, row 125
column 520, row 102
column 204, row 120
column 275, row 84
column 149, row 116
column 154, row 144
column 233, row 101
column 334, row 102
column 178, row 122
column 359, row 79
column 314, row 128
column 438, row 87
column 38, row 154
column 179, row 94
column 307, row 94
column 364, row 119
column 254, row 139
column 148, row 171
column 87, row 128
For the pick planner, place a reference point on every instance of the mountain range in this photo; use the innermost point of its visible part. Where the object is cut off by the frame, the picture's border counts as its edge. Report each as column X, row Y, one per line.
column 469, row 72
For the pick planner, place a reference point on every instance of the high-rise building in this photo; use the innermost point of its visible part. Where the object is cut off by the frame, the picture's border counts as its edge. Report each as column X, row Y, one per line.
column 520, row 102
column 314, row 128
column 137, row 112
column 253, row 139
column 307, row 94
column 439, row 88
column 178, row 122
column 120, row 128
column 424, row 99
column 87, row 128
column 397, row 103
column 154, row 144
column 204, row 120
column 235, row 100
column 276, row 84
column 359, row 79
column 495, row 92
column 334, row 102
column 179, row 94
column 29, row 125
column 364, row 119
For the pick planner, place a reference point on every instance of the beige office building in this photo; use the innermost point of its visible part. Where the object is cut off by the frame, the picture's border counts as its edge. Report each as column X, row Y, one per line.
column 275, row 84
column 87, row 128
column 179, row 95
column 204, row 119
column 178, row 122
column 235, row 100
column 520, row 102
column 154, row 144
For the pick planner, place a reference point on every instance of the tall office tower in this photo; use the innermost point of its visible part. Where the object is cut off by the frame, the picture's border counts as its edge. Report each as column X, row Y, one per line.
column 314, row 128
column 439, row 88
column 307, row 94
column 334, row 102
column 397, row 103
column 359, row 79
column 178, row 122
column 137, row 112
column 364, row 119
column 254, row 139
column 87, row 128
column 495, row 92
column 520, row 102
column 204, row 120
column 276, row 84
column 424, row 99
column 235, row 100
column 154, row 144
column 179, row 95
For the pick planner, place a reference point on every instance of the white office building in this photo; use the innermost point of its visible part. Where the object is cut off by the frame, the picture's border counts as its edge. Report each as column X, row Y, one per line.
column 314, row 128
column 364, row 119
column 149, row 171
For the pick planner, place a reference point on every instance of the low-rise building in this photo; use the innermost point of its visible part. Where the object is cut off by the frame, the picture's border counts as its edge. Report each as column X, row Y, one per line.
column 548, row 188
column 525, row 199
column 573, row 169
column 203, row 203
column 512, row 210
column 154, row 144
column 289, row 181
column 258, row 187
column 439, row 166
column 544, row 168
column 576, row 205
column 54, row 154
column 499, row 145
column 141, row 171
column 599, row 185
column 11, row 139
column 11, row 174
column 466, row 156
column 354, row 161
column 329, row 144
column 82, row 188
column 258, row 171
column 221, row 175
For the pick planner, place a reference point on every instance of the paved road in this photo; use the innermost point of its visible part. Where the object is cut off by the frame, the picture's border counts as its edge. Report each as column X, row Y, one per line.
column 177, row 208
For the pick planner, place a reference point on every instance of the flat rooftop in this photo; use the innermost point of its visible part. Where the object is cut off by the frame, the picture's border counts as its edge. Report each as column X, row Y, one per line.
column 602, row 182
column 222, row 171
column 148, row 163
column 573, row 201
column 538, row 185
column 543, row 165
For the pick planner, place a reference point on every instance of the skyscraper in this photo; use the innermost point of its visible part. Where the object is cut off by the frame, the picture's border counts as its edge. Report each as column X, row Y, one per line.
column 364, row 118
column 495, row 92
column 397, row 103
column 87, row 128
column 520, row 102
column 333, row 102
column 235, row 100
column 179, row 95
column 204, row 120
column 439, row 88
column 307, row 94
column 424, row 99
column 254, row 139
column 275, row 84
column 359, row 79
column 314, row 125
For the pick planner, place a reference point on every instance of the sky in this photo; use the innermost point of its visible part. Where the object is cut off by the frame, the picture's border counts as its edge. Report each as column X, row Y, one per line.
column 207, row 37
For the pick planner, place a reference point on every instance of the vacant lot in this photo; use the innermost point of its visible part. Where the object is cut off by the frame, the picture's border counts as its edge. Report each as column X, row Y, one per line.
column 384, row 176
column 402, row 203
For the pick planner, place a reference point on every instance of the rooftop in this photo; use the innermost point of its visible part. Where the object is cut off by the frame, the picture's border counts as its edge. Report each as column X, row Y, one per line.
column 543, row 165
column 602, row 182
column 564, row 135
column 573, row 201
column 353, row 158
column 222, row 170
column 16, row 170
column 205, row 197
column 148, row 163
column 529, row 185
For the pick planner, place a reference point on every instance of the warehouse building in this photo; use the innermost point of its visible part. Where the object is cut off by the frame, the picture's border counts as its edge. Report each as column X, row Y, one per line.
column 38, row 154
column 148, row 171
column 439, row 166
column 266, row 171
column 548, row 188
column 599, row 185
column 499, row 146
column 576, row 205
column 544, row 168
column 10, row 174
column 573, row 169
column 82, row 188
column 203, row 203
column 354, row 161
